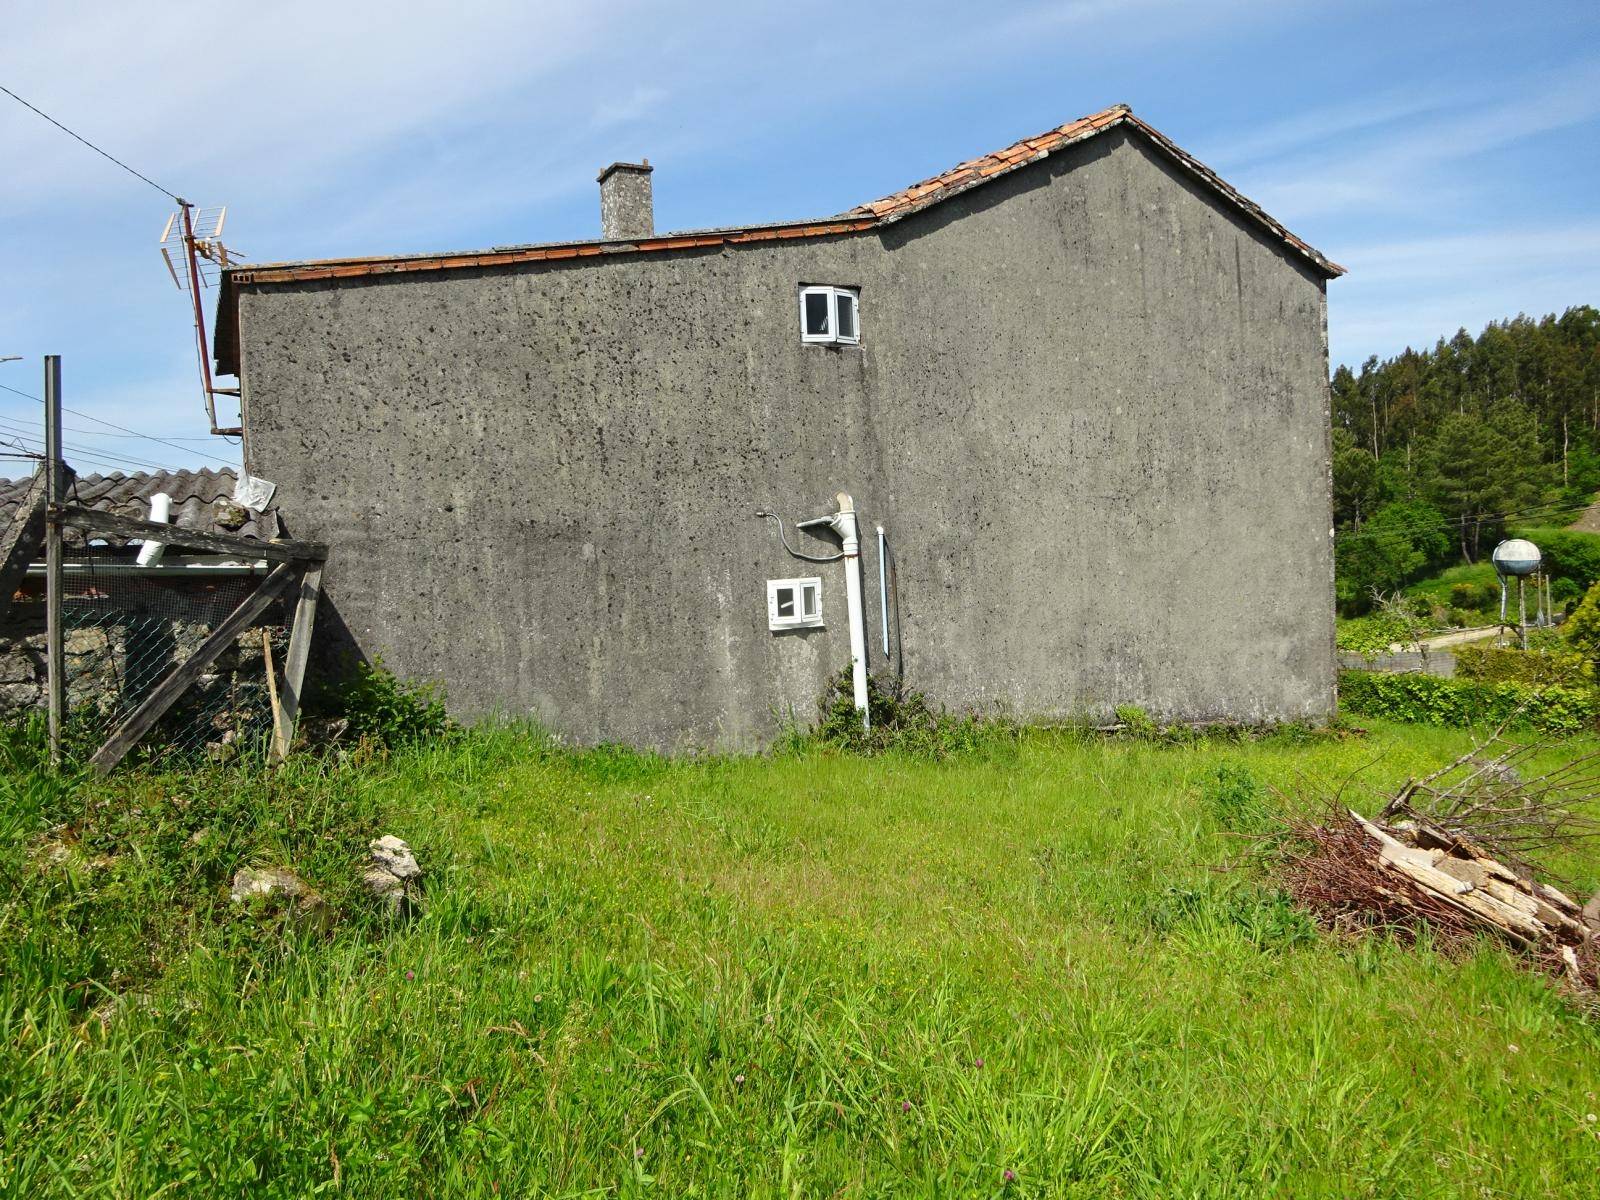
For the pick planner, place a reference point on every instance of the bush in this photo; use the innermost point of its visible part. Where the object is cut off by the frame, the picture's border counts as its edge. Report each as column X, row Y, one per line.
column 1400, row 542
column 1135, row 721
column 1493, row 664
column 1465, row 595
column 1569, row 554
column 1582, row 628
column 900, row 720
column 1430, row 700
column 1376, row 633
column 384, row 709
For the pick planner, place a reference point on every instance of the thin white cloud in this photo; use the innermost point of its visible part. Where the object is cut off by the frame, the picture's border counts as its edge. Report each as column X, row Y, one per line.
column 1305, row 133
column 262, row 94
column 1401, row 165
column 1412, row 292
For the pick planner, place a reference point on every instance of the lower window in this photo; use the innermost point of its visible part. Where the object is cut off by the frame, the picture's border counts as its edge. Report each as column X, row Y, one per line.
column 794, row 603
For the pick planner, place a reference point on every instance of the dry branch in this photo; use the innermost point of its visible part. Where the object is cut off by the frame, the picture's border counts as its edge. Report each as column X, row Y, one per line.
column 1352, row 873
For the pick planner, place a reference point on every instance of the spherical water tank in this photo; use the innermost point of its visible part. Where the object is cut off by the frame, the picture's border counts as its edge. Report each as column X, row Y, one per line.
column 1516, row 557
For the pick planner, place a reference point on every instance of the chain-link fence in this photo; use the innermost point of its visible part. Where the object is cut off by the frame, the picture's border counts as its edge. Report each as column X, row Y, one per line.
column 125, row 629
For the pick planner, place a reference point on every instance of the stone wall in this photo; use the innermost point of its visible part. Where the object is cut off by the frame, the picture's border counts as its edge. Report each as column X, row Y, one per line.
column 112, row 664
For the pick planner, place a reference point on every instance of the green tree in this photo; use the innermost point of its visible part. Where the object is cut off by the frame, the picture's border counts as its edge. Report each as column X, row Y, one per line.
column 1582, row 628
column 1477, row 471
column 1402, row 541
column 1355, row 481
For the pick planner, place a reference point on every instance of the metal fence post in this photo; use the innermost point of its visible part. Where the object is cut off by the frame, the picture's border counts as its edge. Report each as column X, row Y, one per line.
column 55, row 644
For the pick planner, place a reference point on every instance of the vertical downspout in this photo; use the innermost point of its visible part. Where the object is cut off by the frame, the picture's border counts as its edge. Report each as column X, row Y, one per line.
column 844, row 523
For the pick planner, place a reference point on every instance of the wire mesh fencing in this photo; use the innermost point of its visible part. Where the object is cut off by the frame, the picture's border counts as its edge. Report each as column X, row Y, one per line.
column 125, row 629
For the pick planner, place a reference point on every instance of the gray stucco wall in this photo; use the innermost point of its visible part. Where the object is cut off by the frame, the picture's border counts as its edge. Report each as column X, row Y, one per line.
column 1089, row 407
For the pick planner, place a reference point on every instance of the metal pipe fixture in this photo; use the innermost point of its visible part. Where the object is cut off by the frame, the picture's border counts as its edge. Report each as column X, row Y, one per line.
column 844, row 524
column 160, row 513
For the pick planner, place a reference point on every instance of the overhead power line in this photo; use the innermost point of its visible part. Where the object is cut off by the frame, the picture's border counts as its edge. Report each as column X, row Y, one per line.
column 1550, row 509
column 91, row 145
column 94, row 455
column 120, row 428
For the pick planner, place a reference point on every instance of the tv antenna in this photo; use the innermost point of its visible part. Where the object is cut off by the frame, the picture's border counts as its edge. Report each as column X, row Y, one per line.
column 191, row 246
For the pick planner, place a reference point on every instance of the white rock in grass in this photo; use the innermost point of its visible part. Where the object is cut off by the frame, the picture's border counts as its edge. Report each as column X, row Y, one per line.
column 268, row 881
column 392, row 874
column 392, row 855
column 309, row 908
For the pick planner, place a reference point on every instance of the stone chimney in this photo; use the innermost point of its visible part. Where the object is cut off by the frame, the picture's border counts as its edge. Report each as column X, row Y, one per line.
column 626, row 210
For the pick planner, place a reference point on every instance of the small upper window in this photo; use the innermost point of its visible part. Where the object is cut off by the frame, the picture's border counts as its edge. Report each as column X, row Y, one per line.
column 830, row 314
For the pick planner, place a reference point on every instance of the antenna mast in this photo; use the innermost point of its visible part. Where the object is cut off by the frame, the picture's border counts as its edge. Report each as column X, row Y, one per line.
column 196, row 235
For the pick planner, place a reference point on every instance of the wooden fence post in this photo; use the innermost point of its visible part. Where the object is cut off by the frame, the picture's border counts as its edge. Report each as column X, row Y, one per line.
column 294, row 663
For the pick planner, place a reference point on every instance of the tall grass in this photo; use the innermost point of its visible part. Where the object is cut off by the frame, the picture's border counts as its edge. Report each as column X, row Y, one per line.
column 1020, row 970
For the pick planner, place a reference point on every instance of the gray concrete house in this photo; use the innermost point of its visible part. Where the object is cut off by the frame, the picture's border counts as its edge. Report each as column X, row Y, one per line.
column 1080, row 384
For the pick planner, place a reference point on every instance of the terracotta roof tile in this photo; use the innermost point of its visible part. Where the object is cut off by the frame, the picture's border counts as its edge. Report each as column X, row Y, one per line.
column 888, row 209
column 1009, row 158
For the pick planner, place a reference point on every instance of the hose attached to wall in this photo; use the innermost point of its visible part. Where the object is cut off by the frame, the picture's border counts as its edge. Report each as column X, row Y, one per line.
column 782, row 537
column 894, row 592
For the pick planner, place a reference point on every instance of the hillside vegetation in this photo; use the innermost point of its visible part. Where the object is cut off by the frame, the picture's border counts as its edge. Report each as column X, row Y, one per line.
column 1437, row 451
column 1043, row 966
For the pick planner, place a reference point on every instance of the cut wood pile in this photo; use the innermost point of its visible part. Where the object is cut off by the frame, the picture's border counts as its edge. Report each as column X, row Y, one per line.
column 1451, row 852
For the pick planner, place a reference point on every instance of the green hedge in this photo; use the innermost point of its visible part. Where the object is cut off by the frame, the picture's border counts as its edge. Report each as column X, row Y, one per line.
column 1373, row 634
column 1431, row 700
column 1504, row 664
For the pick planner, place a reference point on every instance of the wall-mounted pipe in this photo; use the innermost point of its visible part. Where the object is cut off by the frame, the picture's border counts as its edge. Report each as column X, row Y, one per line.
column 844, row 524
column 883, row 591
column 160, row 512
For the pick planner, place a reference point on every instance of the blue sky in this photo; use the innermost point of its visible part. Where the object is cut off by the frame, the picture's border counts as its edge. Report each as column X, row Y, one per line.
column 1448, row 154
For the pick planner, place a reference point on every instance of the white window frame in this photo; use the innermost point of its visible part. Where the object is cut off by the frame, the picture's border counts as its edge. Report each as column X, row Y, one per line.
column 831, row 337
column 800, row 619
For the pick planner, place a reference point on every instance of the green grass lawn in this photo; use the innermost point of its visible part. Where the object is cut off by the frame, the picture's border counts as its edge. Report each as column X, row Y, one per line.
column 1436, row 588
column 808, row 975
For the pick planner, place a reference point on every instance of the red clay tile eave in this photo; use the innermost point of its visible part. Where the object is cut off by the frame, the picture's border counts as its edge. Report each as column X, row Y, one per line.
column 356, row 267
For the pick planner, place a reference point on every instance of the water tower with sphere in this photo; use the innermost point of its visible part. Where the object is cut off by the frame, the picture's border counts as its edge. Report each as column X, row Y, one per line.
column 1519, row 559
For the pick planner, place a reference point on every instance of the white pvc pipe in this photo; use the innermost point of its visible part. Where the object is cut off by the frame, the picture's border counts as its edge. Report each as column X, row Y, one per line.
column 160, row 513
column 844, row 523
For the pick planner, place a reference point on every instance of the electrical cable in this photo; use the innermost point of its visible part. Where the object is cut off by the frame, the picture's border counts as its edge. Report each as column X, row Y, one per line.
column 120, row 428
column 93, row 457
column 1456, row 522
column 33, row 435
column 91, row 145
column 782, row 537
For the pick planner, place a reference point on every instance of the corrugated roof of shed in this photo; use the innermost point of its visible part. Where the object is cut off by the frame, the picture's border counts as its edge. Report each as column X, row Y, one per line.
column 194, row 500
